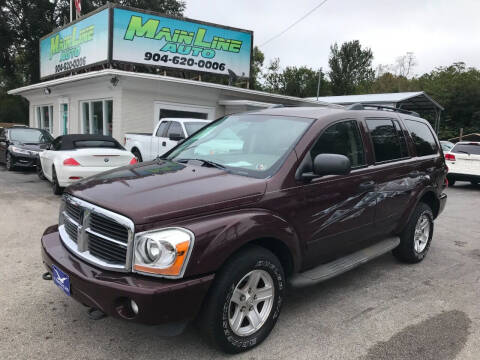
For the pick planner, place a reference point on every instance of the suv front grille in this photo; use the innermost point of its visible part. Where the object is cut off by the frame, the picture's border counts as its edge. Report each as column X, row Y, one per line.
column 96, row 235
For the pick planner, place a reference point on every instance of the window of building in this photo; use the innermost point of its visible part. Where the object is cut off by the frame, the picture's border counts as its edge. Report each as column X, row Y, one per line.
column 63, row 119
column 167, row 113
column 44, row 115
column 342, row 138
column 386, row 140
column 97, row 117
column 165, row 110
column 422, row 137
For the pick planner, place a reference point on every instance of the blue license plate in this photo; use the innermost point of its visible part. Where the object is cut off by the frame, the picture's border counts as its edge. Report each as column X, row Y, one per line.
column 61, row 279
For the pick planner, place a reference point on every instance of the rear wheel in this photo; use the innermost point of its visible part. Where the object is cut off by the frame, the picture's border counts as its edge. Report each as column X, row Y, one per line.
column 416, row 238
column 137, row 154
column 57, row 189
column 245, row 301
column 451, row 181
column 10, row 162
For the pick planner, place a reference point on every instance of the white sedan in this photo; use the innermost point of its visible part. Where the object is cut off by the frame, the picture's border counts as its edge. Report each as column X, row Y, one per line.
column 70, row 158
column 463, row 162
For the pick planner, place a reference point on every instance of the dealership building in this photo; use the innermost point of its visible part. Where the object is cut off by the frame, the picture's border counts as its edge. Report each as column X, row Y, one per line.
column 91, row 83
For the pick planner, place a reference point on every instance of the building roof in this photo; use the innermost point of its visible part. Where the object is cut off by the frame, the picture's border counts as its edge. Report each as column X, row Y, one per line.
column 168, row 80
column 418, row 100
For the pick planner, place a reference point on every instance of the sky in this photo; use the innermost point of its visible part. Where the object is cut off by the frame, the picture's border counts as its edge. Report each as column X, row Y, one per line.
column 438, row 32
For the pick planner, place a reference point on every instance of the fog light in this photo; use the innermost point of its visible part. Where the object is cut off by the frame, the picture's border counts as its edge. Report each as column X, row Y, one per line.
column 134, row 307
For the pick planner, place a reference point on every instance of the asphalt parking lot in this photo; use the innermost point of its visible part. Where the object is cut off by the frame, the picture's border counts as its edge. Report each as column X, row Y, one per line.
column 382, row 310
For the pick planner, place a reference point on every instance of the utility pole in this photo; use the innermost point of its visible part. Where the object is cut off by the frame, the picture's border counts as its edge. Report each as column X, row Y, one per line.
column 71, row 15
column 319, row 80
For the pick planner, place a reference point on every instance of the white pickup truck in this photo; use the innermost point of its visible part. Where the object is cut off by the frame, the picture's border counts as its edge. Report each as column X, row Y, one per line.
column 167, row 134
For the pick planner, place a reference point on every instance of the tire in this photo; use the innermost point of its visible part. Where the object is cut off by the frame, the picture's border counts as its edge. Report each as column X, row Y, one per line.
column 10, row 162
column 451, row 181
column 40, row 173
column 57, row 189
column 137, row 154
column 220, row 306
column 415, row 242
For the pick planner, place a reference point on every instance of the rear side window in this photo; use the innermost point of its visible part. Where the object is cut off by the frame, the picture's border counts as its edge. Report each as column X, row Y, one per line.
column 472, row 149
column 422, row 137
column 388, row 140
column 83, row 144
column 162, row 129
column 175, row 129
column 342, row 138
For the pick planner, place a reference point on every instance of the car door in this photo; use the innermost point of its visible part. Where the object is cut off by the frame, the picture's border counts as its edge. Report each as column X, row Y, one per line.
column 47, row 157
column 395, row 171
column 337, row 216
column 159, row 141
column 3, row 145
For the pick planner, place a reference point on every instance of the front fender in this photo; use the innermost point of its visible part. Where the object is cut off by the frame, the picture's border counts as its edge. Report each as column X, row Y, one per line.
column 218, row 237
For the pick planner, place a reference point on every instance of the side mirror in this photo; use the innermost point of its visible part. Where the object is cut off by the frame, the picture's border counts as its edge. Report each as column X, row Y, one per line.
column 176, row 137
column 329, row 164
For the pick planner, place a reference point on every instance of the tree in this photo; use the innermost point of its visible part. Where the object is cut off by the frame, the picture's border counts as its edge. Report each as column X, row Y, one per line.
column 24, row 22
column 256, row 72
column 350, row 68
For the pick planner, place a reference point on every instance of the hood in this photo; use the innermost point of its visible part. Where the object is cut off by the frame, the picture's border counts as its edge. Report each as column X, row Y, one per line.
column 162, row 190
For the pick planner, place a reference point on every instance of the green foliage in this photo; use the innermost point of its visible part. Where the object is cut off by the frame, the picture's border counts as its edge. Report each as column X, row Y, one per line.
column 294, row 81
column 350, row 68
column 258, row 59
column 24, row 22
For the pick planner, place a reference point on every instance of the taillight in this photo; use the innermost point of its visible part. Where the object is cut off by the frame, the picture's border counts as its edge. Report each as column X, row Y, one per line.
column 70, row 162
column 133, row 161
column 450, row 157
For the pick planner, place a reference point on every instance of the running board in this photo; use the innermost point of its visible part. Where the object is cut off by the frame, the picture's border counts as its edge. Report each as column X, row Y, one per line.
column 337, row 267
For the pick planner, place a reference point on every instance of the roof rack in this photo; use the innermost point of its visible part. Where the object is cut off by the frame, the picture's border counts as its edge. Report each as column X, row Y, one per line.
column 360, row 106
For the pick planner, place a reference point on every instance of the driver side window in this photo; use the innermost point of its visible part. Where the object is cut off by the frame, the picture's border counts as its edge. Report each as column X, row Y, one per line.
column 341, row 138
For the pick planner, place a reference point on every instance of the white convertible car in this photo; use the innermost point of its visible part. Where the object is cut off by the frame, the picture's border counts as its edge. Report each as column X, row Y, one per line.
column 70, row 158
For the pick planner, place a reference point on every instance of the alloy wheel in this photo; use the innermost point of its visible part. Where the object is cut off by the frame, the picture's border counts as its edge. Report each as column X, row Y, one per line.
column 422, row 233
column 251, row 302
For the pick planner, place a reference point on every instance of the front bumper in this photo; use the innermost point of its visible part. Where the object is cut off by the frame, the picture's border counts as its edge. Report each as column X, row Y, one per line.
column 160, row 301
column 23, row 160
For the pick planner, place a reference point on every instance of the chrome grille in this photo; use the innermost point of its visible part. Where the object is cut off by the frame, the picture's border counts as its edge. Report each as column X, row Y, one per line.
column 106, row 250
column 74, row 212
column 104, row 226
column 71, row 229
column 99, row 236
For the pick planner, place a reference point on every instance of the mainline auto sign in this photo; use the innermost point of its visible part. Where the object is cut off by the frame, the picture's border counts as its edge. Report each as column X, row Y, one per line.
column 155, row 40
column 76, row 46
column 145, row 38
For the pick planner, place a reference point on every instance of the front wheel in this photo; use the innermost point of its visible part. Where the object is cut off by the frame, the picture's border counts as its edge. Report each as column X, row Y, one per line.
column 415, row 240
column 9, row 162
column 245, row 300
column 40, row 173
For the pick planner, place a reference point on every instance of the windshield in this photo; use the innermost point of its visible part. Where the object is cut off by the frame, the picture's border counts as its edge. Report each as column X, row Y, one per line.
column 472, row 149
column 30, row 136
column 193, row 127
column 252, row 145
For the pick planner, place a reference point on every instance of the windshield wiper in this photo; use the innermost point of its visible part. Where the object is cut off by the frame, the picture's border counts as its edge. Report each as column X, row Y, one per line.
column 205, row 162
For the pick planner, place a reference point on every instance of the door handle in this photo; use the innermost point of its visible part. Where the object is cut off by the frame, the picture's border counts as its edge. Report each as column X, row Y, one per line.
column 367, row 186
column 164, row 143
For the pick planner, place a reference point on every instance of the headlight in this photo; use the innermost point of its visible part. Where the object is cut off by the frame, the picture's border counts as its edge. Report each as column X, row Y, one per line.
column 163, row 252
column 19, row 151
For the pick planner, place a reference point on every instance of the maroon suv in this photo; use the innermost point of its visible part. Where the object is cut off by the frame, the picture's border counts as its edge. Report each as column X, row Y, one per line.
column 215, row 229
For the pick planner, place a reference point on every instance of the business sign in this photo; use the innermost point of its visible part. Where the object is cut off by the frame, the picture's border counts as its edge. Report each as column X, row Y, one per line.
column 155, row 40
column 82, row 44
